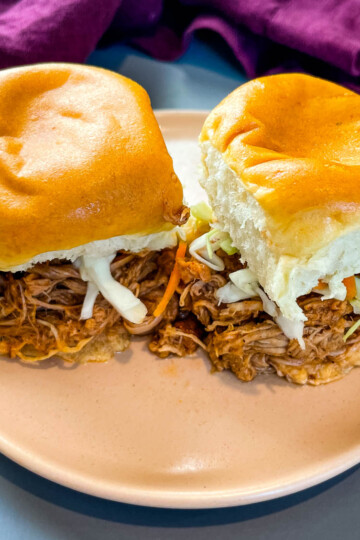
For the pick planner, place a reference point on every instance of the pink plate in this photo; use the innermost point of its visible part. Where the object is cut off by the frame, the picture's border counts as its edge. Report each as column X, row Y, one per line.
column 169, row 433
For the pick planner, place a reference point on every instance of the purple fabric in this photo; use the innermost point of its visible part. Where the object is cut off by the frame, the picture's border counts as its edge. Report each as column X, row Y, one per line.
column 51, row 30
column 266, row 36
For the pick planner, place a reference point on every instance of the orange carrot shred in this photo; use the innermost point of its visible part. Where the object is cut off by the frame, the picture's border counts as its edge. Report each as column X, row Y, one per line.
column 350, row 285
column 173, row 281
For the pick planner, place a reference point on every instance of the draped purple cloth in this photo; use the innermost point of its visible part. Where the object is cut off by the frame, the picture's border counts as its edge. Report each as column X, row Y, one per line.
column 266, row 36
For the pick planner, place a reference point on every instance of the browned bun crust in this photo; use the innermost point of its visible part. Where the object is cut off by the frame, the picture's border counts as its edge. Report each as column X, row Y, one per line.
column 293, row 140
column 82, row 158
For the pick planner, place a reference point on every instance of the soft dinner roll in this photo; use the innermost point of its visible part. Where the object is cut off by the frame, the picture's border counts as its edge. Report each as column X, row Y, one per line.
column 83, row 166
column 281, row 159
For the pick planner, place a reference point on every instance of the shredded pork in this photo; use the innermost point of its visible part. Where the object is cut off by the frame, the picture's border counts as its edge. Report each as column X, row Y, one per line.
column 40, row 317
column 40, row 309
column 243, row 338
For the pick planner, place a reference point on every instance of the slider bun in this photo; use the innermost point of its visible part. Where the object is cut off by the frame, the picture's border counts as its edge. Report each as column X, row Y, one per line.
column 282, row 172
column 82, row 159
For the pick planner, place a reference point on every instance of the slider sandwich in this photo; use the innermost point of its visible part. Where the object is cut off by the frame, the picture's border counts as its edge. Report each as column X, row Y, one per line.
column 95, row 242
column 281, row 168
column 89, row 207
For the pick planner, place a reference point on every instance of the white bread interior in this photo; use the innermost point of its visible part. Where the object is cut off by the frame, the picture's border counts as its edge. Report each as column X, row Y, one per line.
column 103, row 248
column 283, row 277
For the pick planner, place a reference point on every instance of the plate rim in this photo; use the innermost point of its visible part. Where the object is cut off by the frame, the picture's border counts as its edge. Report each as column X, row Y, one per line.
column 172, row 499
column 186, row 500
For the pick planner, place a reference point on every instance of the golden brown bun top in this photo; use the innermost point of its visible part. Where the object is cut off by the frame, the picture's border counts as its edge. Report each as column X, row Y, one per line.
column 82, row 158
column 295, row 142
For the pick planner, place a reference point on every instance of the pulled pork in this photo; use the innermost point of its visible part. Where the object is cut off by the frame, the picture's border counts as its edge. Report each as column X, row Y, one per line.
column 40, row 309
column 40, row 317
column 243, row 338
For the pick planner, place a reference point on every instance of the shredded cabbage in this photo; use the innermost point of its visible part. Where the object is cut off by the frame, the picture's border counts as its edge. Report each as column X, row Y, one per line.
column 97, row 271
column 230, row 293
column 291, row 329
column 243, row 285
column 355, row 302
column 198, row 223
column 356, row 306
column 227, row 246
column 202, row 212
column 208, row 243
column 203, row 248
column 351, row 330
column 89, row 301
column 214, row 239
column 198, row 249
column 269, row 306
column 357, row 284
column 245, row 280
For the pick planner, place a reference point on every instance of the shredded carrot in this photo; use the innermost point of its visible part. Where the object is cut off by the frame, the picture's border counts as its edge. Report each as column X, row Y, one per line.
column 173, row 281
column 350, row 285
